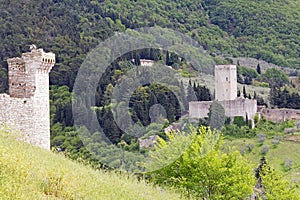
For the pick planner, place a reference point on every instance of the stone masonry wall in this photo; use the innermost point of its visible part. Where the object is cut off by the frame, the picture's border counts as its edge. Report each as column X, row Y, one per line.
column 280, row 115
column 237, row 107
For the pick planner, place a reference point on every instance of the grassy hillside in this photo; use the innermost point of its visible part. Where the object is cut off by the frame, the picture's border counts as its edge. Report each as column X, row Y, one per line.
column 283, row 155
column 31, row 173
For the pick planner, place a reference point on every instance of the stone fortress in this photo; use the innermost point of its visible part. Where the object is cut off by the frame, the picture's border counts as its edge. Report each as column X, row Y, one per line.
column 226, row 95
column 26, row 107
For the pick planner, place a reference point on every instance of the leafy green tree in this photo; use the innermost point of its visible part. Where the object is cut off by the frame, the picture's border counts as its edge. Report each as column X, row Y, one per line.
column 272, row 184
column 239, row 121
column 203, row 171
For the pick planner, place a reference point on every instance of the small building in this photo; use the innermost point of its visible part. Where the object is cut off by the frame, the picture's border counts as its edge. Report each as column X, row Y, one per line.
column 145, row 62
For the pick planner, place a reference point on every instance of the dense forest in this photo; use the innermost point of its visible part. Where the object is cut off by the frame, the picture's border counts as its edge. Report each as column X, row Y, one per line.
column 263, row 29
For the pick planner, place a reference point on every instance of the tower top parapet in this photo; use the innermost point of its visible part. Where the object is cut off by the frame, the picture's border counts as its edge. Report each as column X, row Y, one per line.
column 22, row 71
column 225, row 67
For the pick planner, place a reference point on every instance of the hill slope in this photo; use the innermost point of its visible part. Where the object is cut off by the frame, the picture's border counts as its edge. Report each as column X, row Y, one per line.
column 31, row 173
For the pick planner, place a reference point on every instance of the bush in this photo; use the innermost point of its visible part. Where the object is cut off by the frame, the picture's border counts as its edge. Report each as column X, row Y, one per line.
column 246, row 148
column 260, row 84
column 288, row 163
column 264, row 149
column 276, row 140
column 239, row 121
column 261, row 138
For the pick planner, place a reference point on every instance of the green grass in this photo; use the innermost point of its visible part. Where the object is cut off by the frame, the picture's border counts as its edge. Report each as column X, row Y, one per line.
column 28, row 172
column 276, row 156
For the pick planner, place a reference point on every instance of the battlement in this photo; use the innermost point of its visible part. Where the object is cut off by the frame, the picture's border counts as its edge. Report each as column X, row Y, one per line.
column 21, row 72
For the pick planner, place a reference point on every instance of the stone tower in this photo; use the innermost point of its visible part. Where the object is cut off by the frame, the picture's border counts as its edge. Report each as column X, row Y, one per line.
column 225, row 82
column 27, row 106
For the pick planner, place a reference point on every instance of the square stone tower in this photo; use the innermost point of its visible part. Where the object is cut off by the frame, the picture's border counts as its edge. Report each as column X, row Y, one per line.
column 27, row 106
column 225, row 82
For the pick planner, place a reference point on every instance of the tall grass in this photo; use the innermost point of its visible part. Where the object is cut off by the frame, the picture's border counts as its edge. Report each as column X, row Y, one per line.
column 28, row 172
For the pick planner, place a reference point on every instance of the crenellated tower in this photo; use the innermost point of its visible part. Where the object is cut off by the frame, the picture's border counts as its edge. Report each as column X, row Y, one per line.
column 28, row 79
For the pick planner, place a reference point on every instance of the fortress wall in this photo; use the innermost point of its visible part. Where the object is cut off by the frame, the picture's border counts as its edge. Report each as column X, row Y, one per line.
column 17, row 113
column 237, row 107
column 251, row 108
column 280, row 115
column 233, row 108
column 199, row 109
column 240, row 107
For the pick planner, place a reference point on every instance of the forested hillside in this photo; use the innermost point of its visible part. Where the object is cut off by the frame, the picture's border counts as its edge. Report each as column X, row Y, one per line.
column 263, row 29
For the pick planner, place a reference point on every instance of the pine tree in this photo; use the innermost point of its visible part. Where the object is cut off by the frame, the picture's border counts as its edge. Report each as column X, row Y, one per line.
column 191, row 96
column 183, row 96
column 258, row 69
column 216, row 115
column 244, row 92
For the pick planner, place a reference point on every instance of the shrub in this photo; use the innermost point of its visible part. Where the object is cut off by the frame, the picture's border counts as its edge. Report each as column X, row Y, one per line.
column 239, row 121
column 261, row 138
column 290, row 130
column 276, row 140
column 264, row 149
column 288, row 163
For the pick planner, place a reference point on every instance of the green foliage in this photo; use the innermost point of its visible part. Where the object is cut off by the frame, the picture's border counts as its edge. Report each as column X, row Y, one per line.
column 246, row 75
column 274, row 186
column 239, row 121
column 216, row 115
column 234, row 131
column 284, row 97
column 275, row 76
column 61, row 105
column 260, row 84
column 203, row 171
column 262, row 29
column 267, row 128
